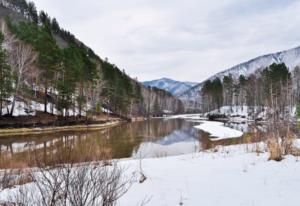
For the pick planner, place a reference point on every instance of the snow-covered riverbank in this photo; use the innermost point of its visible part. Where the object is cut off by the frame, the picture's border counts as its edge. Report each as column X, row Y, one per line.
column 218, row 131
column 231, row 176
column 228, row 176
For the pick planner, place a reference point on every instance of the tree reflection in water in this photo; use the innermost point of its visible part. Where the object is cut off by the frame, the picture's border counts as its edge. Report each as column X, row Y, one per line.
column 153, row 138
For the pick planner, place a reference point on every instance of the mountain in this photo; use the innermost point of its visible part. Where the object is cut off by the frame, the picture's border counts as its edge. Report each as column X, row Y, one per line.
column 290, row 57
column 48, row 69
column 174, row 87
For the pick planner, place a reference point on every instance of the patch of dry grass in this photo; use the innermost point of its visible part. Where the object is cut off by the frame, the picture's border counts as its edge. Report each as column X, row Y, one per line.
column 275, row 149
column 279, row 147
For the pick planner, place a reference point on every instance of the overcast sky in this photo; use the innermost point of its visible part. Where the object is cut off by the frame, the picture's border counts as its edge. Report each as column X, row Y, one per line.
column 187, row 40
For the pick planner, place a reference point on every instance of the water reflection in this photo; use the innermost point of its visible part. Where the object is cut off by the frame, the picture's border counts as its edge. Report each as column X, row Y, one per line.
column 182, row 140
column 153, row 138
column 171, row 137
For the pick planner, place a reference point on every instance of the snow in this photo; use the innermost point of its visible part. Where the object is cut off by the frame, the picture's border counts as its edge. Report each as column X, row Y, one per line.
column 234, row 113
column 218, row 130
column 241, row 113
column 172, row 86
column 106, row 110
column 187, row 116
column 229, row 177
column 25, row 109
column 289, row 57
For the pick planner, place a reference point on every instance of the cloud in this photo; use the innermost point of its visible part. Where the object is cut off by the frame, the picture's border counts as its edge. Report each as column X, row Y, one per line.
column 185, row 40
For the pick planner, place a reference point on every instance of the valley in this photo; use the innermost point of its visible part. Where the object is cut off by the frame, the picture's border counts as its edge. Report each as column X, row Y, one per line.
column 76, row 129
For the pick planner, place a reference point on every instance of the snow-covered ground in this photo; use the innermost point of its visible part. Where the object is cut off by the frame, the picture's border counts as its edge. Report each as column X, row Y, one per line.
column 234, row 113
column 229, row 177
column 218, row 131
column 238, row 175
column 226, row 175
column 247, row 113
column 241, row 113
column 187, row 116
column 30, row 109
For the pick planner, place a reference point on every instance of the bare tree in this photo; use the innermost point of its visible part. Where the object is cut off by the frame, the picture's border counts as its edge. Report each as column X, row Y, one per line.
column 71, row 184
column 21, row 59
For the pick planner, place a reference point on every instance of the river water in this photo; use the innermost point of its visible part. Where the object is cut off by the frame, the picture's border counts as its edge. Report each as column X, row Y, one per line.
column 152, row 138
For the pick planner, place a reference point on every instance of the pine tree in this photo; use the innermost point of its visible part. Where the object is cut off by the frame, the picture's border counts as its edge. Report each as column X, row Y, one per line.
column 5, row 76
column 48, row 59
column 33, row 12
column 55, row 26
column 45, row 19
column 228, row 90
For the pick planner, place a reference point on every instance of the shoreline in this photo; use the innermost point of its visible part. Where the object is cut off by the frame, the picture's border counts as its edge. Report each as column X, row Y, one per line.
column 48, row 130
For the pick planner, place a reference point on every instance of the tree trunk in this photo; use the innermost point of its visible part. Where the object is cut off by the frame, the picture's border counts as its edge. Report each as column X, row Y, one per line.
column 12, row 106
column 14, row 97
column 46, row 94
column 80, row 98
column 1, row 104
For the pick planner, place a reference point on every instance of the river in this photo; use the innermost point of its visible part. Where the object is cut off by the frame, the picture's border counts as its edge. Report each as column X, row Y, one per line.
column 152, row 138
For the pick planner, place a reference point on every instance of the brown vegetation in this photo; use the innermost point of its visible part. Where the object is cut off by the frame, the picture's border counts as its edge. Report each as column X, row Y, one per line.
column 279, row 147
column 88, row 184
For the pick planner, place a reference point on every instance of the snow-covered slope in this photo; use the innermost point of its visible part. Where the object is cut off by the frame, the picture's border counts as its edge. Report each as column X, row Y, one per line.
column 290, row 57
column 172, row 86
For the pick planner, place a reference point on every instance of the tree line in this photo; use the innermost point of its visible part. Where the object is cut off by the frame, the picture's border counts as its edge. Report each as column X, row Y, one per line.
column 274, row 88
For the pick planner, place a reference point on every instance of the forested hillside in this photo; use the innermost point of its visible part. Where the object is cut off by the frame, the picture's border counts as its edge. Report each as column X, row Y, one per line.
column 246, row 84
column 45, row 68
column 274, row 90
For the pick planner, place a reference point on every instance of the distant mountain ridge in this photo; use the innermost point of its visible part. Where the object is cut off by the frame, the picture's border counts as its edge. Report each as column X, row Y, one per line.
column 174, row 87
column 290, row 57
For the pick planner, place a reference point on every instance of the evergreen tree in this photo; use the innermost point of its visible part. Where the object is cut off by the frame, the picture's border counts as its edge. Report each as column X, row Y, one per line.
column 5, row 76
column 48, row 59
column 228, row 90
column 45, row 19
column 275, row 77
column 33, row 12
column 68, row 77
column 55, row 26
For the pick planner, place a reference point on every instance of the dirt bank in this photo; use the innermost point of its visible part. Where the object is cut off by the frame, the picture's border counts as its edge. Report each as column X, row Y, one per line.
column 47, row 123
column 39, row 130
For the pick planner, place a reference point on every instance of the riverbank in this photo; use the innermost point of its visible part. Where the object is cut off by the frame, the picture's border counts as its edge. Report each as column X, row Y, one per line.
column 225, row 175
column 48, row 130
column 231, row 175
column 50, row 120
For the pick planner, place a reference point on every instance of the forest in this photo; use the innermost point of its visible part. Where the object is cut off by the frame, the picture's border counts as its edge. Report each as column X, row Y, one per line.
column 274, row 88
